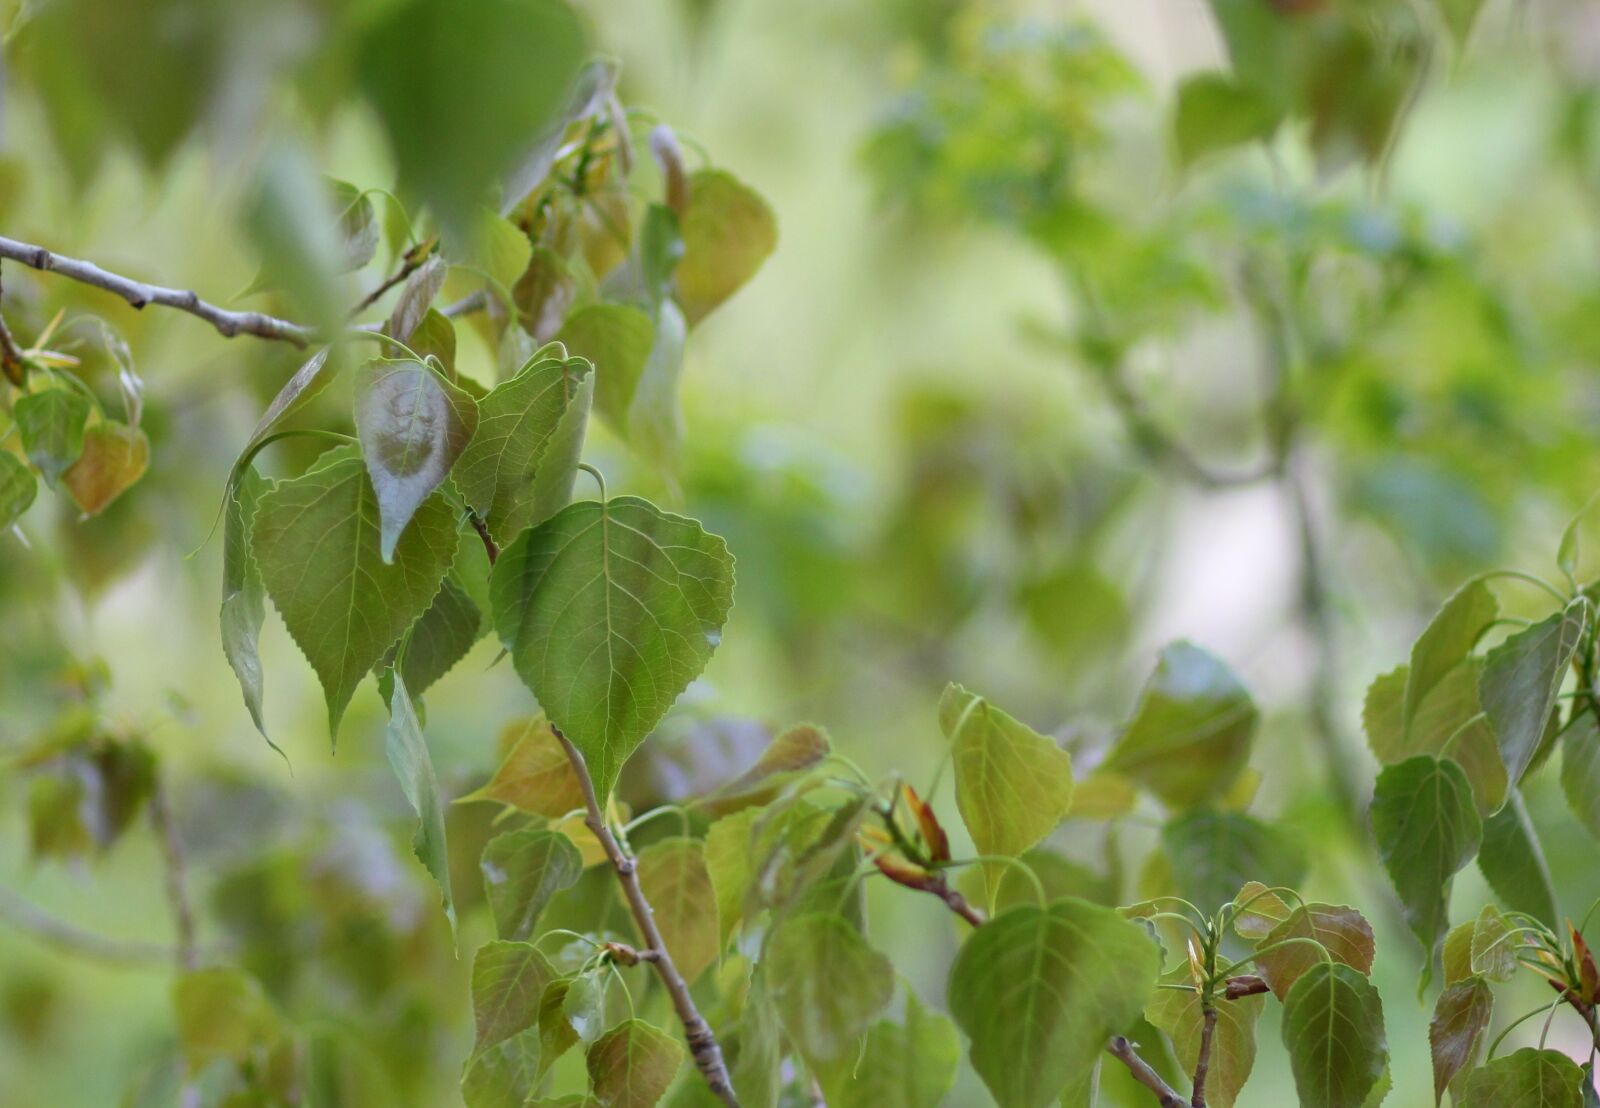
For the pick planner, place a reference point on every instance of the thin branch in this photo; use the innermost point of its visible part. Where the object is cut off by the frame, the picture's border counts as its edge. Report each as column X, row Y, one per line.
column 11, row 362
column 71, row 939
column 176, row 873
column 697, row 1032
column 1122, row 1050
column 138, row 294
column 1202, row 1065
column 409, row 264
column 490, row 547
column 472, row 302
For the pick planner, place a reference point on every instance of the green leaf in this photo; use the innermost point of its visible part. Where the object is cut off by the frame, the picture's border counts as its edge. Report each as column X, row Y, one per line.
column 1580, row 770
column 445, row 632
column 316, row 541
column 583, row 1006
column 1514, row 863
column 1215, row 112
column 673, row 875
column 1191, row 734
column 1527, row 1078
column 758, row 1061
column 1459, row 15
column 1520, row 680
column 1013, row 785
column 358, row 225
column 435, row 337
column 655, row 418
column 18, row 487
column 1333, row 1030
column 509, row 980
column 464, row 91
column 306, row 384
column 222, row 1013
column 1426, row 828
column 1447, row 641
column 519, row 422
column 616, row 339
column 631, row 1065
column 609, row 610
column 903, row 1065
column 556, row 1033
column 408, row 756
column 293, row 228
column 1494, row 945
column 827, row 982
column 51, row 423
column 1343, row 932
column 660, row 250
column 1214, row 853
column 544, row 293
column 243, row 598
column 535, row 776
column 114, row 457
column 522, row 871
column 1233, row 1044
column 413, row 424
column 1448, row 722
column 1039, row 990
column 795, row 750
column 1259, row 911
column 504, row 1075
column 730, row 842
column 728, row 231
column 1460, row 1017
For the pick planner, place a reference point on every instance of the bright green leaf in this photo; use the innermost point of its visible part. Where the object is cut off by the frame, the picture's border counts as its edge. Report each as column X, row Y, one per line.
column 222, row 1013
column 18, row 487
column 728, row 231
column 1233, row 1044
column 1215, row 112
column 828, row 983
column 1214, row 853
column 903, row 1065
column 51, row 423
column 1448, row 722
column 1447, row 641
column 617, row 340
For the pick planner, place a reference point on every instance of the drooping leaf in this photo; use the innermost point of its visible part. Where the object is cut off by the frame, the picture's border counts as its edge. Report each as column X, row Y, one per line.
column 413, row 424
column 1580, row 771
column 631, row 1065
column 728, row 231
column 306, row 383
column 1447, row 641
column 616, row 339
column 408, row 756
column 1039, row 990
column 316, row 541
column 1514, row 864
column 522, row 870
column 1333, row 1030
column 556, row 1033
column 450, row 626
column 828, row 983
column 114, row 457
column 535, row 775
column 358, row 225
column 1191, row 733
column 902, row 1065
column 518, row 422
column 1460, row 1017
column 1214, row 853
column 1528, row 1078
column 1233, row 1043
column 1215, row 112
column 1457, row 953
column 673, row 875
column 463, row 92
column 609, row 610
column 17, row 488
column 1343, row 932
column 543, row 294
column 243, row 597
column 1520, row 680
column 435, row 337
column 1013, row 785
column 1426, row 828
column 729, row 844
column 51, row 423
column 1449, row 722
column 758, row 1065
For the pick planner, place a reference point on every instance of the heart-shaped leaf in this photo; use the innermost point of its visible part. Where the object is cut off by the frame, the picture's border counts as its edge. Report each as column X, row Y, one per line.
column 1342, row 932
column 114, row 457
column 672, row 874
column 617, row 340
column 51, row 423
column 18, row 487
column 522, row 871
column 609, row 609
column 243, row 598
column 828, row 983
column 1528, row 1078
column 1447, row 641
column 535, row 775
column 1426, row 828
column 1333, row 1030
column 1520, row 680
column 902, row 1065
column 728, row 231
column 631, row 1065
column 1214, row 853
column 1233, row 1040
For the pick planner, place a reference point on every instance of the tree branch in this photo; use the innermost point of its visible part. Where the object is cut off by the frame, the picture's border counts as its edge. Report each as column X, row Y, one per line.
column 11, row 362
column 1202, row 1065
column 1122, row 1050
column 697, row 1032
column 71, row 939
column 138, row 294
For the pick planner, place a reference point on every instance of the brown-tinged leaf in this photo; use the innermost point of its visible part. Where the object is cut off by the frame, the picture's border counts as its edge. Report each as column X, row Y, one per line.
column 535, row 775
column 1342, row 931
column 114, row 456
column 1460, row 1017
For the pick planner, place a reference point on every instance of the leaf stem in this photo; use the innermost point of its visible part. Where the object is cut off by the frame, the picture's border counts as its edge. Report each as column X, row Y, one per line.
column 600, row 478
column 697, row 1032
column 1530, row 578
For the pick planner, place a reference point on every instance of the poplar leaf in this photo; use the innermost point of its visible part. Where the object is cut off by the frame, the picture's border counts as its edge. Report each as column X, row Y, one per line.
column 609, row 610
column 1580, row 771
column 316, row 541
column 1214, row 853
column 1233, row 1044
column 1460, row 1017
column 1039, row 990
column 903, row 1065
column 517, row 423
column 535, row 776
column 1190, row 736
column 51, row 423
column 1426, row 828
column 1494, row 945
column 1520, row 680
column 308, row 381
column 509, row 980
column 522, row 871
column 730, row 844
column 114, row 457
column 1333, row 1030
column 505, row 1074
column 408, row 757
column 631, row 1065
column 673, row 875
column 793, row 751
column 222, row 1013
column 17, row 488
column 448, row 628
column 616, row 339
column 1448, row 722
column 243, row 597
column 1260, row 910
column 758, row 1062
column 1343, row 932
column 1447, row 641
column 828, row 983
column 1013, row 785
column 1513, row 862
column 413, row 425
column 655, row 418
column 1527, row 1078
column 728, row 231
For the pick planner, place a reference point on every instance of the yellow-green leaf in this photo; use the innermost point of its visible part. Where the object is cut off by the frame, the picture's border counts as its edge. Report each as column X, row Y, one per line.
column 728, row 231
column 673, row 875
